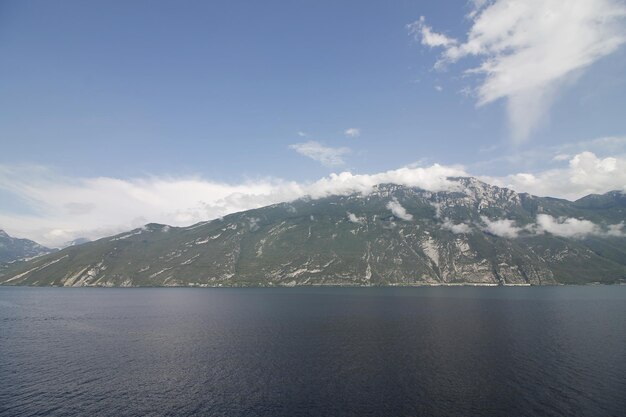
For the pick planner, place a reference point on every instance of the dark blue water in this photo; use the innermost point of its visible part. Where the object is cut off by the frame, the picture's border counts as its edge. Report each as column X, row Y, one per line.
column 554, row 351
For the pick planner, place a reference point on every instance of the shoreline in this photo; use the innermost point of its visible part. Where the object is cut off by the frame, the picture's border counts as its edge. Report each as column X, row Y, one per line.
column 416, row 285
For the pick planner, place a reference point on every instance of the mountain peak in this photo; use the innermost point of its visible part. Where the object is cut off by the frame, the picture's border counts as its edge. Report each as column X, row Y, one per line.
column 615, row 198
column 13, row 249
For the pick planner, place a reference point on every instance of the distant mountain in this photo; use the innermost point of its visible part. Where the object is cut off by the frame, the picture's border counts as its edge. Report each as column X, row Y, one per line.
column 76, row 242
column 14, row 249
column 395, row 235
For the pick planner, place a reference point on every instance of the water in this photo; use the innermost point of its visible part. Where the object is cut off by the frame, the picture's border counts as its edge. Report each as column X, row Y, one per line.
column 313, row 351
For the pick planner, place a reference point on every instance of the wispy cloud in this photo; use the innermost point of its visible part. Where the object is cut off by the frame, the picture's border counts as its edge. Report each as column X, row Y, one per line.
column 352, row 132
column 529, row 49
column 324, row 154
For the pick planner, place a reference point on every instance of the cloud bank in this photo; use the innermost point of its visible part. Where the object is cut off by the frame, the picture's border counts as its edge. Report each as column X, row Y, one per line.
column 529, row 49
column 54, row 209
column 567, row 227
column 584, row 174
column 576, row 228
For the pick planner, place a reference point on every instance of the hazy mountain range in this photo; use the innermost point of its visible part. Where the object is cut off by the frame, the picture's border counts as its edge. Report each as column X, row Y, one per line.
column 14, row 249
column 394, row 235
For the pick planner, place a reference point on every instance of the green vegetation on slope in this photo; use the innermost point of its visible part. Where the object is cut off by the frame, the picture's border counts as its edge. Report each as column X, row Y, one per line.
column 354, row 240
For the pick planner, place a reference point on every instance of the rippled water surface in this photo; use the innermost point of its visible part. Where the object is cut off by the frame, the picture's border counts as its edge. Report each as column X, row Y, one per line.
column 313, row 351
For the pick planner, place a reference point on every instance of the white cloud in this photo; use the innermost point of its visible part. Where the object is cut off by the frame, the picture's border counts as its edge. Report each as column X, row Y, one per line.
column 433, row 178
column 456, row 228
column 541, row 157
column 576, row 228
column 616, row 230
column 566, row 227
column 502, row 228
column 325, row 155
column 529, row 49
column 355, row 219
column 427, row 36
column 352, row 132
column 399, row 211
column 302, row 134
column 585, row 174
column 438, row 88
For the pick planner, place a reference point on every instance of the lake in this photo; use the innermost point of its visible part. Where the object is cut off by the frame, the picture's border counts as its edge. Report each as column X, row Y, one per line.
column 550, row 351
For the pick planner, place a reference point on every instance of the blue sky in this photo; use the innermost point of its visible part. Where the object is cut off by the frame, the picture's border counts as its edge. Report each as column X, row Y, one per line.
column 234, row 92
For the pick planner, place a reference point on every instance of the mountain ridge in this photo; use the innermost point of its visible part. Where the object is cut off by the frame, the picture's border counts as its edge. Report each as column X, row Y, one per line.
column 14, row 249
column 475, row 234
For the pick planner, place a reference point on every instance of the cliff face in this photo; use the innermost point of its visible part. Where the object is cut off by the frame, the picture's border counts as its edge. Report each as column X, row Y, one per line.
column 395, row 235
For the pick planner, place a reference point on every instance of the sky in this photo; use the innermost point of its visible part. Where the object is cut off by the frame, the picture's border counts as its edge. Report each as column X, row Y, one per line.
column 114, row 114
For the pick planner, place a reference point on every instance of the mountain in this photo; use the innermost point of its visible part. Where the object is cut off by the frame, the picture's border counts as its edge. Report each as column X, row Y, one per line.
column 76, row 242
column 14, row 249
column 396, row 235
